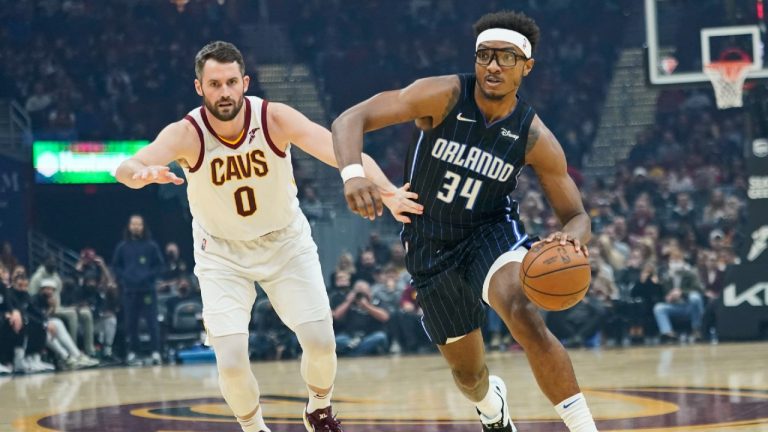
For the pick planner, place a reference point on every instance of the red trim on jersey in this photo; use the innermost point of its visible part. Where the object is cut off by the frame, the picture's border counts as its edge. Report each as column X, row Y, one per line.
column 202, row 143
column 265, row 128
column 245, row 129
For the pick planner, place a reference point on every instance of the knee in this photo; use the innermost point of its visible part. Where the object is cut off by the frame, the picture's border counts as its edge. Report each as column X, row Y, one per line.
column 659, row 308
column 316, row 338
column 85, row 315
column 467, row 379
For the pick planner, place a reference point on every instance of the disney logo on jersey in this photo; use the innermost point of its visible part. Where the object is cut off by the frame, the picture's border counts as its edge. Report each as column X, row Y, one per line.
column 509, row 134
column 475, row 159
column 239, row 167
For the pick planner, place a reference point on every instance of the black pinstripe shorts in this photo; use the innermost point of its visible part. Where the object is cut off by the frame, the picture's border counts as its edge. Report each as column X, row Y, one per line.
column 449, row 278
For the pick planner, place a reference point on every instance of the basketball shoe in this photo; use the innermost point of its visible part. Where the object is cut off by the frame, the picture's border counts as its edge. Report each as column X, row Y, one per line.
column 502, row 422
column 321, row 420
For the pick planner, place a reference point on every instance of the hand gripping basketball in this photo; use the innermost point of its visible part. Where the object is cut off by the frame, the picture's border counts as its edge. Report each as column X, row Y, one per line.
column 555, row 276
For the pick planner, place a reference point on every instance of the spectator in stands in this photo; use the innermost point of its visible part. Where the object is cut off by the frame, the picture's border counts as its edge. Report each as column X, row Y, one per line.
column 59, row 340
column 74, row 316
column 27, row 358
column 101, row 299
column 175, row 269
column 137, row 263
column 682, row 296
column 346, row 266
column 7, row 259
column 11, row 324
column 271, row 339
column 358, row 322
column 90, row 265
column 310, row 204
column 37, row 104
column 73, row 304
column 366, row 266
column 386, row 295
column 48, row 270
column 381, row 250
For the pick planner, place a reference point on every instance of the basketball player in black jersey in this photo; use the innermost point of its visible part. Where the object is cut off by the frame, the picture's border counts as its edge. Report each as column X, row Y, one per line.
column 465, row 250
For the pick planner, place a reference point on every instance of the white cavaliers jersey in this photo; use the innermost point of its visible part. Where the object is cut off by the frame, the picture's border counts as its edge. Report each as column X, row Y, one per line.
column 245, row 189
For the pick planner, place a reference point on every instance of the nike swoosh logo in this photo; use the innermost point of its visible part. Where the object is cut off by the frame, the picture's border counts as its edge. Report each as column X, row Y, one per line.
column 565, row 406
column 460, row 117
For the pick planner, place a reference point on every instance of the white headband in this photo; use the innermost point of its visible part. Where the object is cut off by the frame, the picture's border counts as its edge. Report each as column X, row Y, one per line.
column 505, row 35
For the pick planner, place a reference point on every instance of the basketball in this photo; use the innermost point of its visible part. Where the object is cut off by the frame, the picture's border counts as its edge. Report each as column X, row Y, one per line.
column 554, row 277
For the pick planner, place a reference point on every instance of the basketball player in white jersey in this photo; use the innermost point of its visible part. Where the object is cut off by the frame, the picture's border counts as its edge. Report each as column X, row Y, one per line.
column 248, row 227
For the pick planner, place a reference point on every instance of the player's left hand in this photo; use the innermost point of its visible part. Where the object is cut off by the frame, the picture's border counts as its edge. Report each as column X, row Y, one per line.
column 363, row 197
column 564, row 238
column 400, row 202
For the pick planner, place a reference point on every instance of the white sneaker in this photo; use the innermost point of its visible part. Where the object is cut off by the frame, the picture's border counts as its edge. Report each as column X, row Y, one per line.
column 5, row 370
column 501, row 422
column 85, row 361
column 39, row 364
column 156, row 359
column 131, row 359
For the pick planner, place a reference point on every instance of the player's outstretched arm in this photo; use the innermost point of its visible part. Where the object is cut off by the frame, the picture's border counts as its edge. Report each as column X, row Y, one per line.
column 546, row 157
column 287, row 125
column 427, row 101
column 176, row 141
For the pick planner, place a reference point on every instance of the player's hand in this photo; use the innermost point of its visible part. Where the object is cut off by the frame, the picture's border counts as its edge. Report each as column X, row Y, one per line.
column 363, row 197
column 159, row 174
column 400, row 201
column 564, row 238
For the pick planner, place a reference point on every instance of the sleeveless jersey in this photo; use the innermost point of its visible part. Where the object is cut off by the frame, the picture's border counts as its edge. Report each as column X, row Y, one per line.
column 240, row 190
column 465, row 168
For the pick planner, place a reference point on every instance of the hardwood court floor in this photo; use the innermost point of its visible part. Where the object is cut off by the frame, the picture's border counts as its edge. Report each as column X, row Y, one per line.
column 690, row 388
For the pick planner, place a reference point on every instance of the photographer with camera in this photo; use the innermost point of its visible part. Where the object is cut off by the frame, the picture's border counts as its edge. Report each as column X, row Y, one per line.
column 357, row 319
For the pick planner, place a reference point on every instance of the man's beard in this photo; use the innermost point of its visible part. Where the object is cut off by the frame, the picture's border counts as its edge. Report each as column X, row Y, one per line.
column 218, row 114
column 490, row 96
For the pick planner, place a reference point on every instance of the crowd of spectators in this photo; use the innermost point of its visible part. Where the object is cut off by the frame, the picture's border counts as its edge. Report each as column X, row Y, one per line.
column 107, row 70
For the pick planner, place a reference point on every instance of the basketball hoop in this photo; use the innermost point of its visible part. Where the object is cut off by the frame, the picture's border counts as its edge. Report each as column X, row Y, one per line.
column 727, row 77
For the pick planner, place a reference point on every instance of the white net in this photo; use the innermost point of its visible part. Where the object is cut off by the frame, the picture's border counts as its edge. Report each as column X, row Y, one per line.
column 728, row 80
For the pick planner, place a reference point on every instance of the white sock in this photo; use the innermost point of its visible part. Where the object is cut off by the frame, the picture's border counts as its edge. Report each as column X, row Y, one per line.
column 490, row 406
column 576, row 415
column 254, row 424
column 317, row 402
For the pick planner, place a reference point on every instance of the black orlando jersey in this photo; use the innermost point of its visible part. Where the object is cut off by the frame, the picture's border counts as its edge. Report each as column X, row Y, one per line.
column 465, row 169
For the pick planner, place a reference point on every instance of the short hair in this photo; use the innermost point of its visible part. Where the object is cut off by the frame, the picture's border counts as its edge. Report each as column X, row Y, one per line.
column 222, row 52
column 510, row 20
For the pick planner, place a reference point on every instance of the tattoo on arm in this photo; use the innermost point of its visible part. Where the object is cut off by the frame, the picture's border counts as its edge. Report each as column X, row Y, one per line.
column 452, row 99
column 533, row 136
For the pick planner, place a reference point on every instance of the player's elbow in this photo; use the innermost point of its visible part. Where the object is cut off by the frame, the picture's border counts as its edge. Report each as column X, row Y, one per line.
column 349, row 119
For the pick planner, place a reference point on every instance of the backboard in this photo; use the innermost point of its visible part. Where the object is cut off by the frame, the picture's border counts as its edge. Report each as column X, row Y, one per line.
column 683, row 36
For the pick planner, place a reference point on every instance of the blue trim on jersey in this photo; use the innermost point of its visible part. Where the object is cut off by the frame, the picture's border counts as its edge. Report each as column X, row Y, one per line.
column 424, row 326
column 416, row 155
column 519, row 242
column 517, row 231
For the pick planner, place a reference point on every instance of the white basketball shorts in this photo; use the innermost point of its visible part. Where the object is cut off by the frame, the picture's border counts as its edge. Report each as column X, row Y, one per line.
column 284, row 262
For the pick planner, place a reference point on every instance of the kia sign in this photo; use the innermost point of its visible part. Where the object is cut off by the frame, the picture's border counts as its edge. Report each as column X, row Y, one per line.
column 743, row 309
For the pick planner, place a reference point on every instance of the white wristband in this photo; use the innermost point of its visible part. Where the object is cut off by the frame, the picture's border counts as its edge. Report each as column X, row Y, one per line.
column 352, row 171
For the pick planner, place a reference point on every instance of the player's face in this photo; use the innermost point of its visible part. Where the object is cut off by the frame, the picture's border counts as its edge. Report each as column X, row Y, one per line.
column 223, row 88
column 497, row 81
